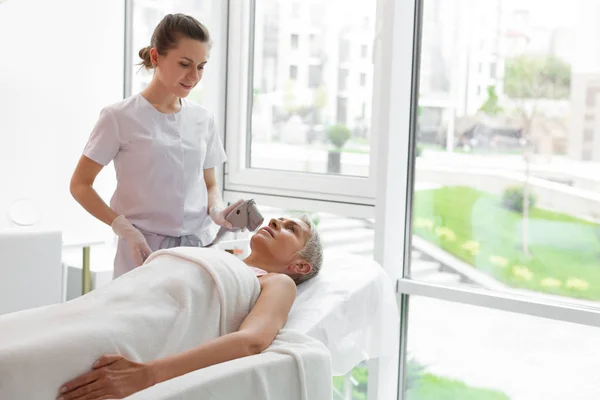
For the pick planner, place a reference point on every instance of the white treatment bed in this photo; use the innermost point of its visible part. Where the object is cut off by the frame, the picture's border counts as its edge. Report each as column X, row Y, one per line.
column 350, row 308
column 182, row 297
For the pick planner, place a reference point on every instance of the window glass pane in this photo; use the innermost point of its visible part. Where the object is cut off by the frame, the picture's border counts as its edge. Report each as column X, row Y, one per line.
column 307, row 56
column 315, row 75
column 316, row 47
column 507, row 190
column 457, row 351
column 293, row 72
column 295, row 41
column 343, row 79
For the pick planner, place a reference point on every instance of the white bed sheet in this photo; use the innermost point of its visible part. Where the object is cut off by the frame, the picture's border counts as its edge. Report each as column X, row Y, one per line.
column 350, row 308
column 294, row 367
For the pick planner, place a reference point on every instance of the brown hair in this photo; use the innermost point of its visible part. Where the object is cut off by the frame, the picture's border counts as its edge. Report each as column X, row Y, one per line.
column 168, row 32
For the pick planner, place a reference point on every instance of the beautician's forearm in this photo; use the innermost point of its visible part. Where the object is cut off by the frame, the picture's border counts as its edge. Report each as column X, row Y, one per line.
column 228, row 347
column 89, row 199
column 214, row 197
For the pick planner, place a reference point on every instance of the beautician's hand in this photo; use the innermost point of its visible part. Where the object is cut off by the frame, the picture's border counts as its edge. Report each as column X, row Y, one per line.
column 135, row 239
column 218, row 214
column 112, row 377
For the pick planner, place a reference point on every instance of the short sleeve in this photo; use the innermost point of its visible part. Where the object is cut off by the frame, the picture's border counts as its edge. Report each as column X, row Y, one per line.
column 104, row 141
column 215, row 153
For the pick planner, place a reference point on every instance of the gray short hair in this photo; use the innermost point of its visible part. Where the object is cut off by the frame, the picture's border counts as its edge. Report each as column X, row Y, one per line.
column 312, row 251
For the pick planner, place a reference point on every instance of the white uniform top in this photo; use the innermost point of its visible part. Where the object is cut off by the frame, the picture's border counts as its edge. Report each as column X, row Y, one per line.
column 159, row 161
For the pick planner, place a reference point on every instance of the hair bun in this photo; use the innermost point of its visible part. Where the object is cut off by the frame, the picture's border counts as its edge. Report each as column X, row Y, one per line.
column 144, row 54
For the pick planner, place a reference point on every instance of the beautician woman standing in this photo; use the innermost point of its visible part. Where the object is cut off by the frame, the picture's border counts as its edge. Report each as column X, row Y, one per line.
column 164, row 149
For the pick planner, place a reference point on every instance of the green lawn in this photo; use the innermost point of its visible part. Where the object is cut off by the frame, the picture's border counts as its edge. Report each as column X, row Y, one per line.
column 423, row 386
column 431, row 387
column 564, row 251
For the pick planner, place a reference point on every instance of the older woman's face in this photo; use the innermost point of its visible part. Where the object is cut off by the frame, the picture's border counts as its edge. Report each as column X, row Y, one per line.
column 281, row 240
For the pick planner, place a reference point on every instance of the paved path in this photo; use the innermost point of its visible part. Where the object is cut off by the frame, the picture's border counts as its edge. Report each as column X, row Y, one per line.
column 525, row 357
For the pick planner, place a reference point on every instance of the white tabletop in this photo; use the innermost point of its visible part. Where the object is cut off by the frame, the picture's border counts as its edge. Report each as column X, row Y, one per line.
column 82, row 241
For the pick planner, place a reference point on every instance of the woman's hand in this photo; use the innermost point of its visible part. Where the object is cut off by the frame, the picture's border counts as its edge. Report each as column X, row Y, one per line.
column 112, row 377
column 138, row 246
column 218, row 214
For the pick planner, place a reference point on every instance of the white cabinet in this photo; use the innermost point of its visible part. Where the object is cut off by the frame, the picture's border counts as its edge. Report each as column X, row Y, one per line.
column 31, row 273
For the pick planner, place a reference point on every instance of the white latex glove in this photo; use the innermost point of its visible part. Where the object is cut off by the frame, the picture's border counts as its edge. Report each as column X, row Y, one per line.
column 135, row 239
column 218, row 214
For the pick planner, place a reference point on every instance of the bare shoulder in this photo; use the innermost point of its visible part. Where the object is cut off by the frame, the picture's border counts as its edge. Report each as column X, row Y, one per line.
column 277, row 280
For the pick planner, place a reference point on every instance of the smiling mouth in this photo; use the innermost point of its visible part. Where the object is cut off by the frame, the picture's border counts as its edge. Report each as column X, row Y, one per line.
column 186, row 86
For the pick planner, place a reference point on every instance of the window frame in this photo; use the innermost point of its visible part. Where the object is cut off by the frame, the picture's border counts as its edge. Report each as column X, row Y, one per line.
column 401, row 36
column 352, row 191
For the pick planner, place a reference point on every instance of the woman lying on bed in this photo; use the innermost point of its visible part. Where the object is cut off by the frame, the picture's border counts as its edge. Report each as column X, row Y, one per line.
column 285, row 253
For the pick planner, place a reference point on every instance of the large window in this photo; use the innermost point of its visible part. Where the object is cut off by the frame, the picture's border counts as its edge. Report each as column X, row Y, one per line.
column 481, row 116
column 297, row 123
column 505, row 207
column 504, row 198
column 305, row 117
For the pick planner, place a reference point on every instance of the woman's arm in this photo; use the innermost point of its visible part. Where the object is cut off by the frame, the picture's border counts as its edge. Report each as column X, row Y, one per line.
column 256, row 333
column 214, row 194
column 220, row 212
column 82, row 190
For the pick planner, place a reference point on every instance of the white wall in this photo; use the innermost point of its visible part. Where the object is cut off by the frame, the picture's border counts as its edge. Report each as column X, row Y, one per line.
column 61, row 62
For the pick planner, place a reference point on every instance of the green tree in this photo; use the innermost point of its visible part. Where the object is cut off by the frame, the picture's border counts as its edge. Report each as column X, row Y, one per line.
column 491, row 106
column 537, row 77
column 528, row 79
column 338, row 135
